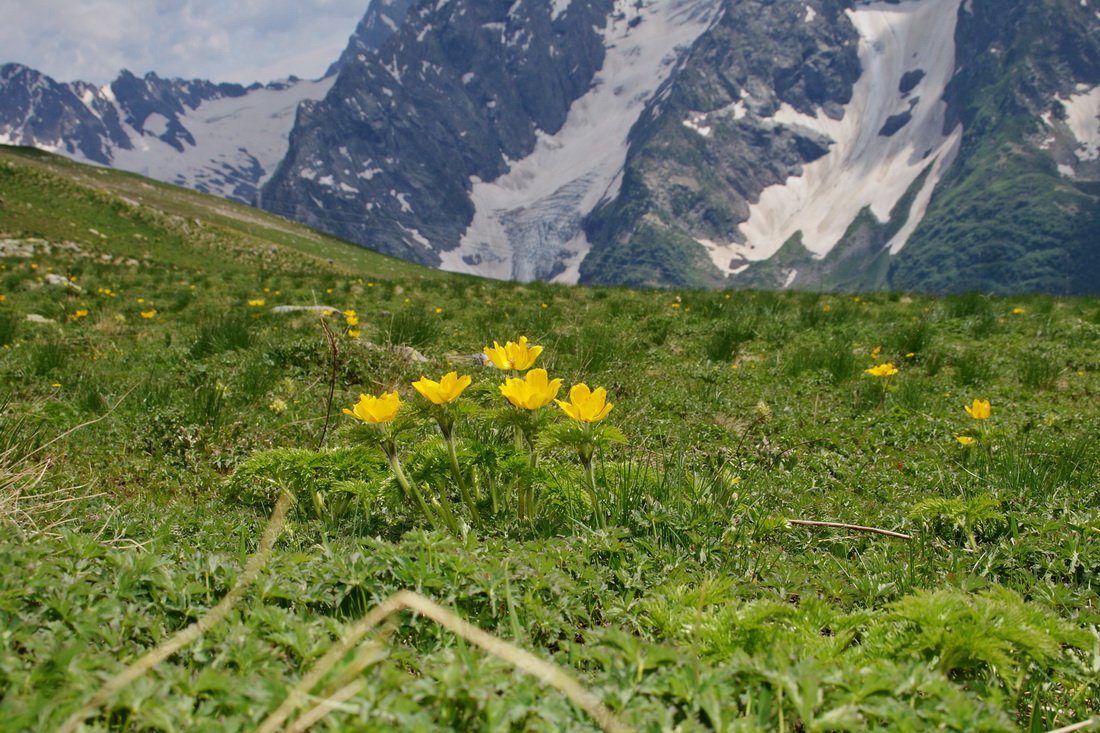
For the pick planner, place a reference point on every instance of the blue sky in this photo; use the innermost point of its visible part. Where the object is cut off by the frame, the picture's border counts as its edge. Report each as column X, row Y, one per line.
column 220, row 40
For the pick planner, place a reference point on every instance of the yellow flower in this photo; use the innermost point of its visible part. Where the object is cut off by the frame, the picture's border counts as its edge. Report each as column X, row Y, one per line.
column 512, row 355
column 149, row 314
column 350, row 313
column 376, row 409
column 81, row 312
column 910, row 355
column 257, row 301
column 979, row 410
column 445, row 390
column 587, row 405
column 353, row 333
column 1017, row 311
column 352, row 320
column 965, row 439
column 532, row 392
column 876, row 351
column 141, row 300
column 882, row 370
column 278, row 405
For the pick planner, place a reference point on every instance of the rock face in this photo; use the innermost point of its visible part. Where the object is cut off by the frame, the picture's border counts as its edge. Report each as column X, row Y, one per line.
column 920, row 144
column 381, row 21
column 388, row 158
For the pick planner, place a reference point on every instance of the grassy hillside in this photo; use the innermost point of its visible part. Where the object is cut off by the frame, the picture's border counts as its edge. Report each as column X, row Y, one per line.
column 152, row 418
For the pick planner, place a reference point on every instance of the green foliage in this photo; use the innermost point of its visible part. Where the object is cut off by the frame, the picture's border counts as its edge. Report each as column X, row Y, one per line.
column 698, row 606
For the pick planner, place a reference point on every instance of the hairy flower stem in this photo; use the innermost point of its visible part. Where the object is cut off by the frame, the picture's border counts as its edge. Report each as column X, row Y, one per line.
column 409, row 489
column 457, row 471
column 593, row 492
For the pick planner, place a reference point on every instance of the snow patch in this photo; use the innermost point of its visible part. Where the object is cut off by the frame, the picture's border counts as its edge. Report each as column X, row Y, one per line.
column 864, row 168
column 693, row 123
column 559, row 7
column 1066, row 170
column 527, row 222
column 810, row 13
column 155, row 124
column 403, row 199
column 1083, row 120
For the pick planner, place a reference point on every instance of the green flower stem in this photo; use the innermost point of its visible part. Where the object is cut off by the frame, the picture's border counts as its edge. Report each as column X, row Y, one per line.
column 449, row 439
column 410, row 490
column 593, row 491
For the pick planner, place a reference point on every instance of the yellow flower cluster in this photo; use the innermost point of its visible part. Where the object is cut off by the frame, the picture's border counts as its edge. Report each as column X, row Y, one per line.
column 530, row 392
column 882, row 370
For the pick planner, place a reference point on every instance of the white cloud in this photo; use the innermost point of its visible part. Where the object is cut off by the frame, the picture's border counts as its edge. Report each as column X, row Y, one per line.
column 240, row 41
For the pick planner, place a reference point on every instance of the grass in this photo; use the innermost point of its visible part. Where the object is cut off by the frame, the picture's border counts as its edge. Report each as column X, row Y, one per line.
column 698, row 607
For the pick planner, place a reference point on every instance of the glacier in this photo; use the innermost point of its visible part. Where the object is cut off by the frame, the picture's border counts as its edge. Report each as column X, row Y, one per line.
column 527, row 222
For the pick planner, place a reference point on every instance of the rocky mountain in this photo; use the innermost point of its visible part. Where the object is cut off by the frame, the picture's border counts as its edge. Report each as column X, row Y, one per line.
column 224, row 139
column 381, row 21
column 828, row 144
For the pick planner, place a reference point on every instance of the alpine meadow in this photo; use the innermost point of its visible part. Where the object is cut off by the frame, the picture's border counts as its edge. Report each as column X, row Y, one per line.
column 253, row 477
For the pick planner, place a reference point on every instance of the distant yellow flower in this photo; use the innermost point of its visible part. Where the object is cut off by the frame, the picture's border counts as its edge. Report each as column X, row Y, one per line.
column 587, row 405
column 352, row 320
column 376, row 409
column 278, row 405
column 353, row 333
column 438, row 310
column 3, row 298
column 965, row 439
column 876, row 351
column 149, row 314
column 910, row 355
column 882, row 370
column 532, row 392
column 350, row 313
column 55, row 385
column 675, row 305
column 979, row 410
column 512, row 355
column 141, row 300
column 1017, row 311
column 827, row 308
column 257, row 301
column 445, row 390
column 81, row 313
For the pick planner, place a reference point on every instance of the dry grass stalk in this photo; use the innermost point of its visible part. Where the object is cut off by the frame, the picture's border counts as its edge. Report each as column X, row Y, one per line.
column 188, row 635
column 548, row 673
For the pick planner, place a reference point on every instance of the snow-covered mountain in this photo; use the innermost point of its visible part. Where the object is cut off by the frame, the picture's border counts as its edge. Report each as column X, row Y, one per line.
column 930, row 144
column 224, row 139
column 937, row 145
